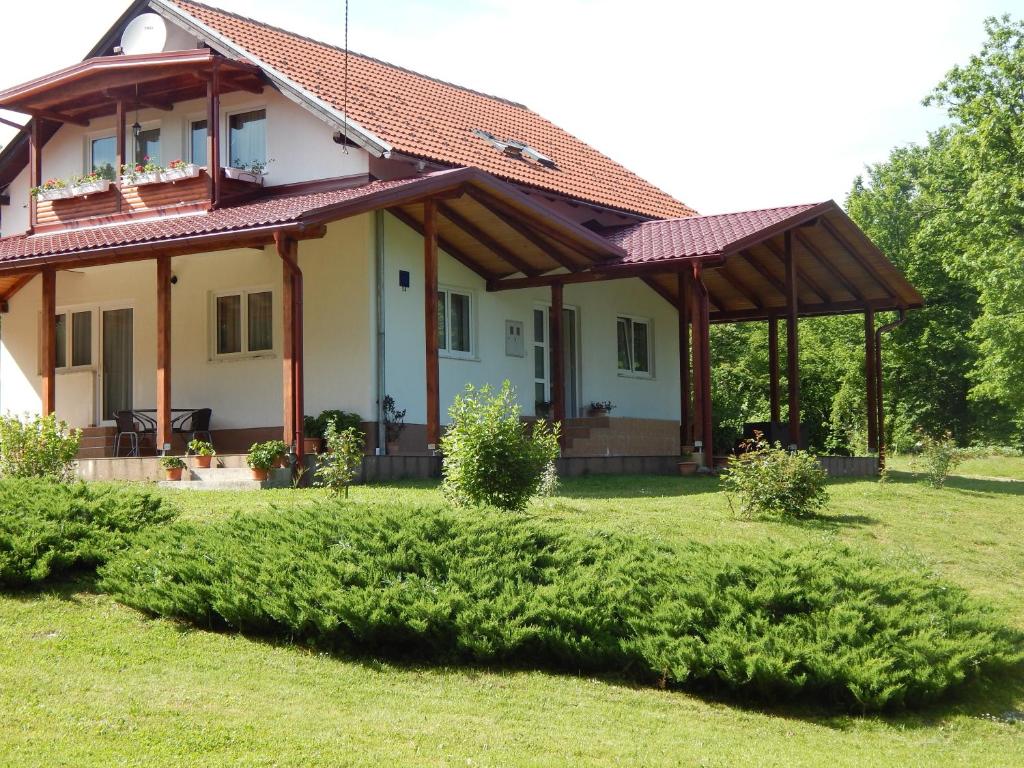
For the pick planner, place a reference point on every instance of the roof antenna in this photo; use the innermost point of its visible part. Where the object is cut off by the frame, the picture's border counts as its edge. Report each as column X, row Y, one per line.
column 344, row 146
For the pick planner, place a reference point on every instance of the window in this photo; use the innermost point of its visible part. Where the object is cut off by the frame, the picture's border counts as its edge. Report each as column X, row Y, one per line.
column 197, row 142
column 454, row 323
column 634, row 345
column 540, row 356
column 247, row 138
column 73, row 342
column 147, row 145
column 244, row 323
column 103, row 156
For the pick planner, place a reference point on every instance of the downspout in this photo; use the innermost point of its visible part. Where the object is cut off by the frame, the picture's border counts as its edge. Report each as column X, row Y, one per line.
column 879, row 403
column 378, row 243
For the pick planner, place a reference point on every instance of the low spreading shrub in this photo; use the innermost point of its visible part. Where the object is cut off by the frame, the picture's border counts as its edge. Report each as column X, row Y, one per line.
column 766, row 623
column 490, row 456
column 37, row 446
column 770, row 481
column 936, row 457
column 47, row 527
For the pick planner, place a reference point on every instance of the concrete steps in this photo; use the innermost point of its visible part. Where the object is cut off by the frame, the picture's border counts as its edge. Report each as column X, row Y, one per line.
column 227, row 479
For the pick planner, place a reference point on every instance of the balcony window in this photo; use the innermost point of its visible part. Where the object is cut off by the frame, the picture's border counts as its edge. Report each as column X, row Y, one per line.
column 103, row 156
column 247, row 138
column 634, row 345
column 147, row 145
column 197, row 142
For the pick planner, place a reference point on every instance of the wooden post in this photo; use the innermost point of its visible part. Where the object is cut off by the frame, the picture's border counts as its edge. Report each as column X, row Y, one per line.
column 298, row 356
column 792, row 342
column 700, row 313
column 49, row 351
column 287, row 341
column 163, row 352
column 773, row 371
column 35, row 169
column 430, row 324
column 555, row 330
column 120, row 157
column 869, row 378
column 213, row 136
column 683, row 306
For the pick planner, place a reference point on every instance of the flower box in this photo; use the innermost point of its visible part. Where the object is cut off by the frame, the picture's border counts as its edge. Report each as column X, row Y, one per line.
column 241, row 174
column 186, row 171
column 91, row 188
column 54, row 194
column 141, row 179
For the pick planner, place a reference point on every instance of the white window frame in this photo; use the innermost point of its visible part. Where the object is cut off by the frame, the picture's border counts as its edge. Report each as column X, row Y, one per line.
column 446, row 350
column 129, row 140
column 545, row 310
column 225, row 121
column 189, row 119
column 68, row 311
column 90, row 137
column 634, row 319
column 244, row 354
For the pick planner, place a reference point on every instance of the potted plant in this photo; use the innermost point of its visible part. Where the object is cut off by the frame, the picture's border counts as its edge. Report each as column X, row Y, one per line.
column 687, row 466
column 394, row 423
column 51, row 189
column 542, row 409
column 146, row 172
column 89, row 184
column 600, row 408
column 312, row 434
column 173, row 467
column 253, row 172
column 203, row 452
column 179, row 169
column 263, row 456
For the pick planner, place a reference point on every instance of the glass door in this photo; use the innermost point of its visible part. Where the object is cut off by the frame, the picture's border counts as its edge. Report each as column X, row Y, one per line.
column 117, row 362
column 542, row 358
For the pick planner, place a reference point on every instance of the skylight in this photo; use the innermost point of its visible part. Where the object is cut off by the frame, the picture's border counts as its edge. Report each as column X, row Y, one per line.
column 515, row 148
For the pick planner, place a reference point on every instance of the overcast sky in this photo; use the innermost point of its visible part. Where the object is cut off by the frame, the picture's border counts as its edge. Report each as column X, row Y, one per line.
column 725, row 105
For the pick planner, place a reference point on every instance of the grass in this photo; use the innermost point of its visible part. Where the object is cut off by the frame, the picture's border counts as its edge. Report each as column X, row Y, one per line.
column 84, row 681
column 1005, row 467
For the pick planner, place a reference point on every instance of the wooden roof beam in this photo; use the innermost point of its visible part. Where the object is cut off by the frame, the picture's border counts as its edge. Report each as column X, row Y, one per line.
column 59, row 117
column 486, row 240
column 740, row 285
column 866, row 265
column 442, row 243
column 802, row 275
column 661, row 290
column 142, row 100
column 831, row 268
column 762, row 270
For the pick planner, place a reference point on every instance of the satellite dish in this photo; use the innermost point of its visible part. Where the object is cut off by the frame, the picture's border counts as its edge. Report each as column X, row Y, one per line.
column 144, row 34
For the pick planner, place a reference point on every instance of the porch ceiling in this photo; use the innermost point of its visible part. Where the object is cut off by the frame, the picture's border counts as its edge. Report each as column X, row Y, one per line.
column 92, row 88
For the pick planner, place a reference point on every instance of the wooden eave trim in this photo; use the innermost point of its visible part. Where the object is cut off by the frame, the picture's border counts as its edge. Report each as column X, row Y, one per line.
column 809, row 310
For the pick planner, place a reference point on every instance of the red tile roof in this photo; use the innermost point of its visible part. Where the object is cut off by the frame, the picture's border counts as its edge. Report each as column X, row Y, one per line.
column 699, row 235
column 276, row 210
column 434, row 120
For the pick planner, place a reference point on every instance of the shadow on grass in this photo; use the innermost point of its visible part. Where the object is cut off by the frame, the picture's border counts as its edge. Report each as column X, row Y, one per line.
column 969, row 485
column 636, row 486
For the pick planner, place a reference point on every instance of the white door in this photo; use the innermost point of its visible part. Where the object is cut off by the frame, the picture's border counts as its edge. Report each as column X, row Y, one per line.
column 542, row 358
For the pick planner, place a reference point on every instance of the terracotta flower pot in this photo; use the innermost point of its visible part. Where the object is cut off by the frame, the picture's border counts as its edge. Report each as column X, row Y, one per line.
column 203, row 462
column 173, row 474
column 260, row 474
column 687, row 467
column 281, row 462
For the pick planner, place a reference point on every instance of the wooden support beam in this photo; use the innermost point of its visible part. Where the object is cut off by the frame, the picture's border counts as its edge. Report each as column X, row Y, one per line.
column 701, row 367
column 792, row 340
column 829, row 267
column 298, row 355
column 556, row 332
column 713, row 300
column 740, row 285
column 762, row 270
column 804, row 278
column 142, row 100
column 163, row 352
column 59, row 117
column 773, row 370
column 601, row 272
column 430, row 299
column 683, row 298
column 869, row 378
column 287, row 346
column 213, row 136
column 49, row 348
column 444, row 244
column 120, row 152
column 864, row 263
column 486, row 240
column 20, row 283
column 660, row 289
column 242, row 84
column 35, row 169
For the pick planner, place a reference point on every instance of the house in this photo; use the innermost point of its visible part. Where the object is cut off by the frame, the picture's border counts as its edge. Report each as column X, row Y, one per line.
column 317, row 246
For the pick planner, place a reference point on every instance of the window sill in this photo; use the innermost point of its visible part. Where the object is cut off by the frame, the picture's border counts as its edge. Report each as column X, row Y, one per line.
column 469, row 358
column 242, row 357
column 632, row 375
column 74, row 369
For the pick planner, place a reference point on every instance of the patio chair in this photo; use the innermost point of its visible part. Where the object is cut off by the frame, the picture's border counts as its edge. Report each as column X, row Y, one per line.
column 196, row 424
column 126, row 428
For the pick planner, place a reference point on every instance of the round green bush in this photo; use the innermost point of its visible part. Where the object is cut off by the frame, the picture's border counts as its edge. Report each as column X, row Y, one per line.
column 764, row 623
column 47, row 527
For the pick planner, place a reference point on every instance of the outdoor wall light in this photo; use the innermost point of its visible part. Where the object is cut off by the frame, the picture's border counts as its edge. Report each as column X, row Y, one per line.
column 403, row 279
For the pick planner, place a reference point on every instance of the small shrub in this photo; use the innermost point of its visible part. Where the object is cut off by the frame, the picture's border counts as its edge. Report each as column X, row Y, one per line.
column 936, row 457
column 172, row 462
column 47, row 527
column 340, row 464
column 772, row 482
column 201, row 448
column 489, row 457
column 38, row 446
column 265, row 455
column 317, row 426
column 815, row 624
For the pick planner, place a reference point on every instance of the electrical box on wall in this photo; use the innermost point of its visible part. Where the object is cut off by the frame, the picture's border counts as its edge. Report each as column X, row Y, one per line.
column 514, row 344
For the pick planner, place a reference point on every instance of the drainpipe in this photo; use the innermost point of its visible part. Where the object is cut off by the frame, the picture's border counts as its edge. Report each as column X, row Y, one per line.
column 378, row 241
column 879, row 403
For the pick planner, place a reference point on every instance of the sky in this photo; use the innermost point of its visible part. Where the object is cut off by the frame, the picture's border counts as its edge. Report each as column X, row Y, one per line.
column 725, row 105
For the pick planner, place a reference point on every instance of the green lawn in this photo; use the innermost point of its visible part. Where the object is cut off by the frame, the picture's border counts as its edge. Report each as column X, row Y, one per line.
column 84, row 681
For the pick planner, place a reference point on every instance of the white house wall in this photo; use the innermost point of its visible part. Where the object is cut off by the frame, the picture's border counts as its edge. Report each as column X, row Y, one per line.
column 597, row 304
column 245, row 392
column 299, row 146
